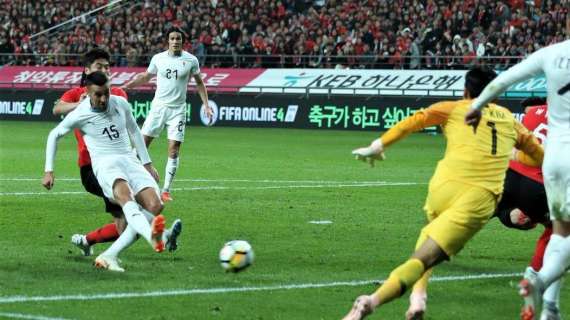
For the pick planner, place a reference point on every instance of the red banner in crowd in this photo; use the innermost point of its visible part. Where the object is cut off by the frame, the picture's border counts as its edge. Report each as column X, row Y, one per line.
column 220, row 79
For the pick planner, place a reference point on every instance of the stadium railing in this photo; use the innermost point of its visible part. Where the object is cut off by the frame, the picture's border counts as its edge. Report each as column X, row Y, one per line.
column 281, row 61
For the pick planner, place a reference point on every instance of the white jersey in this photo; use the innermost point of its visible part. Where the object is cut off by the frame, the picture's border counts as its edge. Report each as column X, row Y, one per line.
column 554, row 62
column 173, row 74
column 106, row 133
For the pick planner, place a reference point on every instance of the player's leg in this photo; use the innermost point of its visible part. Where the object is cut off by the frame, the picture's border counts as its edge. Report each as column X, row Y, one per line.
column 469, row 209
column 109, row 258
column 172, row 164
column 176, row 126
column 418, row 297
column 401, row 278
column 148, row 199
column 107, row 233
column 556, row 170
column 135, row 218
column 540, row 248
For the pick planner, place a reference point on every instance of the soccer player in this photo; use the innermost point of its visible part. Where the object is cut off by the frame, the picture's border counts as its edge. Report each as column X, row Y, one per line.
column 459, row 202
column 523, row 205
column 99, row 60
column 173, row 69
column 554, row 62
column 108, row 127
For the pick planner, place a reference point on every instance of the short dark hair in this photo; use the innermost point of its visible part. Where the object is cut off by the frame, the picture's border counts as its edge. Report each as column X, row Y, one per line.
column 175, row 29
column 477, row 79
column 94, row 54
column 533, row 101
column 97, row 78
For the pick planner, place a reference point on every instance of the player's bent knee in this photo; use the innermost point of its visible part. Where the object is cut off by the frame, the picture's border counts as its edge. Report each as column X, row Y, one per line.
column 121, row 191
column 155, row 206
column 430, row 253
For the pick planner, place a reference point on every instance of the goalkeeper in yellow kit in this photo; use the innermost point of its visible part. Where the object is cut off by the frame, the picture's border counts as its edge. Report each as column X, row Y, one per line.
column 464, row 190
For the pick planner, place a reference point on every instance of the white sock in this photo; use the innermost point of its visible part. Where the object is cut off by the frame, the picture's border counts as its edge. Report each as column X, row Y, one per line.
column 171, row 167
column 128, row 237
column 556, row 259
column 137, row 220
column 552, row 293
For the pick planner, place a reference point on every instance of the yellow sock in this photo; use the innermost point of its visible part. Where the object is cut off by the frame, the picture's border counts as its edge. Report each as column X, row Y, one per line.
column 421, row 285
column 400, row 280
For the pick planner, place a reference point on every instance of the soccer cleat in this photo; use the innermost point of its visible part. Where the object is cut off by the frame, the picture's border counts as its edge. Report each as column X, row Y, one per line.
column 108, row 263
column 417, row 307
column 360, row 309
column 530, row 289
column 157, row 229
column 173, row 233
column 165, row 196
column 80, row 241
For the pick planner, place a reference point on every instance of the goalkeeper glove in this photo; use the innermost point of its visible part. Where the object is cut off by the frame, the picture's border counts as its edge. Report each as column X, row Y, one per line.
column 375, row 151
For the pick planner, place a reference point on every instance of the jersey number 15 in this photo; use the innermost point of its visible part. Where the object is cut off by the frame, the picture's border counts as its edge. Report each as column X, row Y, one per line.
column 111, row 132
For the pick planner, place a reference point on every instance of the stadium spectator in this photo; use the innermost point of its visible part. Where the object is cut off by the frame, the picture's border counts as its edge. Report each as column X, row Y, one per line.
column 220, row 30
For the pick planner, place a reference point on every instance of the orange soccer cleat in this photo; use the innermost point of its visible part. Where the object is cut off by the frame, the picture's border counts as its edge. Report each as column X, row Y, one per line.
column 157, row 229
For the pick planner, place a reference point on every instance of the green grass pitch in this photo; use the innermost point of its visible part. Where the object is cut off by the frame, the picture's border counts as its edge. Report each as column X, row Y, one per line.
column 262, row 185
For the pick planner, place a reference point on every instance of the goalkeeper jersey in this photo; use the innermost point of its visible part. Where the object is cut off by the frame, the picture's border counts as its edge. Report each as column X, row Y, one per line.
column 479, row 158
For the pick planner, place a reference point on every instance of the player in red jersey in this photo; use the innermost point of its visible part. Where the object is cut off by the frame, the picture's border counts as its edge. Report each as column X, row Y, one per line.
column 99, row 60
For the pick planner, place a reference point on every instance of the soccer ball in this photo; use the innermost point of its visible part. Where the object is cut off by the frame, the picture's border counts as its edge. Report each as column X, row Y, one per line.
column 236, row 255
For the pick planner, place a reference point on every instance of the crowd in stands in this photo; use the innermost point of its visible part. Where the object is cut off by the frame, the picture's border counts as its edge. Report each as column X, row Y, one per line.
column 287, row 33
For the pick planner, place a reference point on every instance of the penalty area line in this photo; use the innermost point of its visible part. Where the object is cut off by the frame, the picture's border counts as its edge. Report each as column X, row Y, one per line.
column 197, row 291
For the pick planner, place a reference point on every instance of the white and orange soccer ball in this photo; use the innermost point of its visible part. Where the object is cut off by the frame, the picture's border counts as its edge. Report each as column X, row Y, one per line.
column 236, row 255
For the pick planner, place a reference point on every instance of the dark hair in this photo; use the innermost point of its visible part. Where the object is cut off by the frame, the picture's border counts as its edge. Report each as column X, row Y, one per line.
column 477, row 79
column 89, row 57
column 533, row 101
column 175, row 29
column 94, row 54
column 97, row 78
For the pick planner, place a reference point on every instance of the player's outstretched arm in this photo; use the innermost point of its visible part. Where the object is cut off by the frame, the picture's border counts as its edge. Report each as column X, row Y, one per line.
column 62, row 129
column 139, row 79
column 68, row 101
column 436, row 114
column 375, row 151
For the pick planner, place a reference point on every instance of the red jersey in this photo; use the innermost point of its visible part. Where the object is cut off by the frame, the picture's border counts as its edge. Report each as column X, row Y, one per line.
column 535, row 121
column 74, row 95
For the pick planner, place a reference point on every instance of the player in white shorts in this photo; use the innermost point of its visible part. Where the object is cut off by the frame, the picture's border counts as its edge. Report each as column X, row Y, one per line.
column 173, row 69
column 108, row 127
column 554, row 62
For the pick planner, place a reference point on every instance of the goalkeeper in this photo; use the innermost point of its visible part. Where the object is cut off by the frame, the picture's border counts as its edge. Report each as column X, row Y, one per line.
column 464, row 190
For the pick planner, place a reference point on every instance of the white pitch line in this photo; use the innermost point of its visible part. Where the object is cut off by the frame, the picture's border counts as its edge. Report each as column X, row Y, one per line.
column 185, row 292
column 317, row 186
column 26, row 316
column 220, row 180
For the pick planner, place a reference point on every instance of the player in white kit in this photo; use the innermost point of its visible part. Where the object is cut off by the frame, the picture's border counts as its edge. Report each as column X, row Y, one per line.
column 108, row 127
column 554, row 62
column 173, row 69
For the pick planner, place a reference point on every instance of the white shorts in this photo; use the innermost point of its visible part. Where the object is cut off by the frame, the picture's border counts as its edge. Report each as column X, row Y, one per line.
column 556, row 171
column 126, row 167
column 159, row 116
